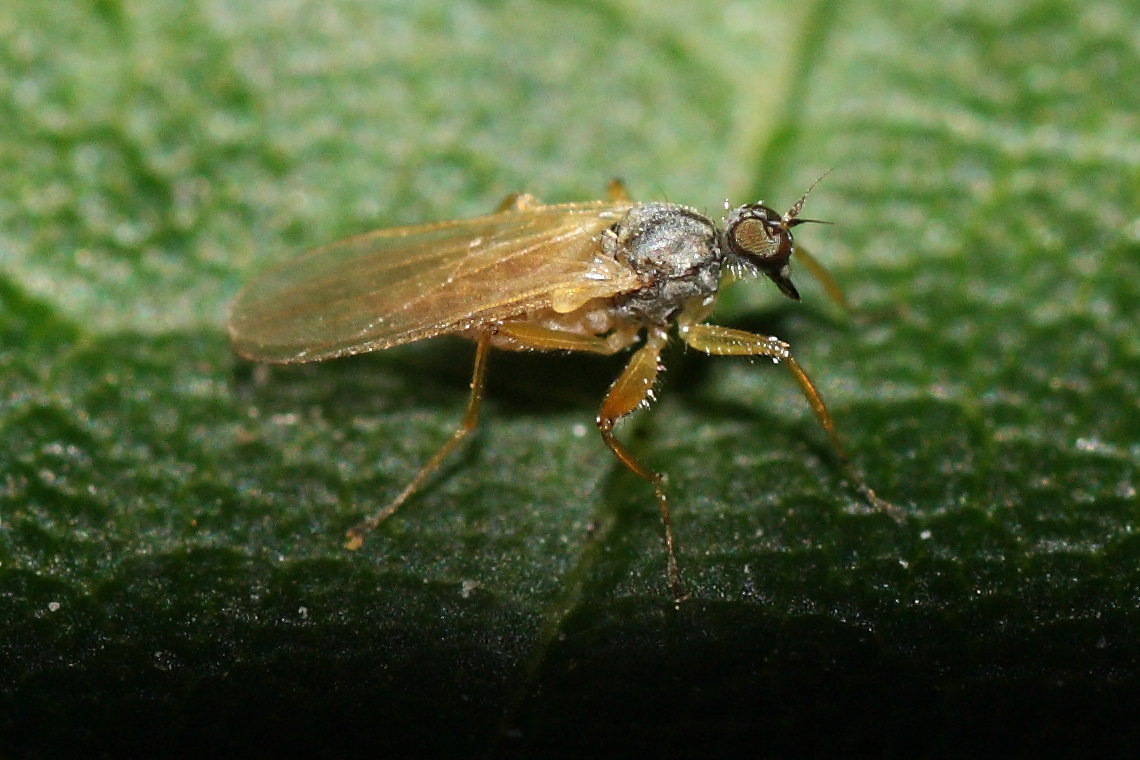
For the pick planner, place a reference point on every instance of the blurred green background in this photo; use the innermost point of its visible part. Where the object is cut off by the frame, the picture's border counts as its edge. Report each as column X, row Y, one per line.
column 171, row 572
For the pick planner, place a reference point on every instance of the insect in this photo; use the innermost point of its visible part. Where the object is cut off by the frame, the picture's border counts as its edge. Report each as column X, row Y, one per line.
column 597, row 277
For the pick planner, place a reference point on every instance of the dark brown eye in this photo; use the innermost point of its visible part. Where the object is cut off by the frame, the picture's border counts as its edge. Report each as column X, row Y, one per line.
column 751, row 236
column 757, row 234
column 763, row 239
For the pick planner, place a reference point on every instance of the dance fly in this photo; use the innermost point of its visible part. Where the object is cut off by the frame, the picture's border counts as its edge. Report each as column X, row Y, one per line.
column 597, row 277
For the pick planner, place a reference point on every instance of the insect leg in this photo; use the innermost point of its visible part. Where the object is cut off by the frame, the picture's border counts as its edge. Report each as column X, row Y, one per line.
column 724, row 341
column 531, row 335
column 517, row 202
column 820, row 273
column 357, row 533
column 616, row 190
column 634, row 386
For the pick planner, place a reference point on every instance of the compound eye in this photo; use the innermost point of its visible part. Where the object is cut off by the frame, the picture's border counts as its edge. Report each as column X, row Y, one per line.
column 757, row 234
column 753, row 237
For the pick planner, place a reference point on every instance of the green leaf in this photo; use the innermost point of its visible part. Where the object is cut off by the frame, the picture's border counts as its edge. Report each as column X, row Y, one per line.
column 171, row 518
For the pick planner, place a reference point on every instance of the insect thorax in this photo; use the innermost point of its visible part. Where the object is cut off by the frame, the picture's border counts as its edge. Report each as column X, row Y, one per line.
column 676, row 253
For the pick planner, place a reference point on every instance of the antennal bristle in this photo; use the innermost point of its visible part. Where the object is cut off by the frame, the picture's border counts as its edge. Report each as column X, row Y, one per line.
column 795, row 210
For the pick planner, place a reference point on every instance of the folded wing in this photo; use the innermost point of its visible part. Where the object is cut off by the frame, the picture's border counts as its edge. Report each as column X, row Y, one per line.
column 398, row 285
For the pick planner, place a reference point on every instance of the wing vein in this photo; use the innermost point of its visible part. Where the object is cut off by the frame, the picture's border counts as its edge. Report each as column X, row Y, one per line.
column 388, row 287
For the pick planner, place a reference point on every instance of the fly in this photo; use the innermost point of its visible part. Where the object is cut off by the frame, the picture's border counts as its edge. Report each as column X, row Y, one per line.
column 596, row 277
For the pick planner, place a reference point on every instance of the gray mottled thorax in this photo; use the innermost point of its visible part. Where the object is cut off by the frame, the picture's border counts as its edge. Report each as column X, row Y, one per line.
column 675, row 251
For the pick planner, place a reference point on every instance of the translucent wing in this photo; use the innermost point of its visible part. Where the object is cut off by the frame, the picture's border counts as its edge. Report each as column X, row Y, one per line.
column 403, row 284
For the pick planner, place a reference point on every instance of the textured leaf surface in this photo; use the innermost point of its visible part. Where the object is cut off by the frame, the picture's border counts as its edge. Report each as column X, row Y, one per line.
column 171, row 573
